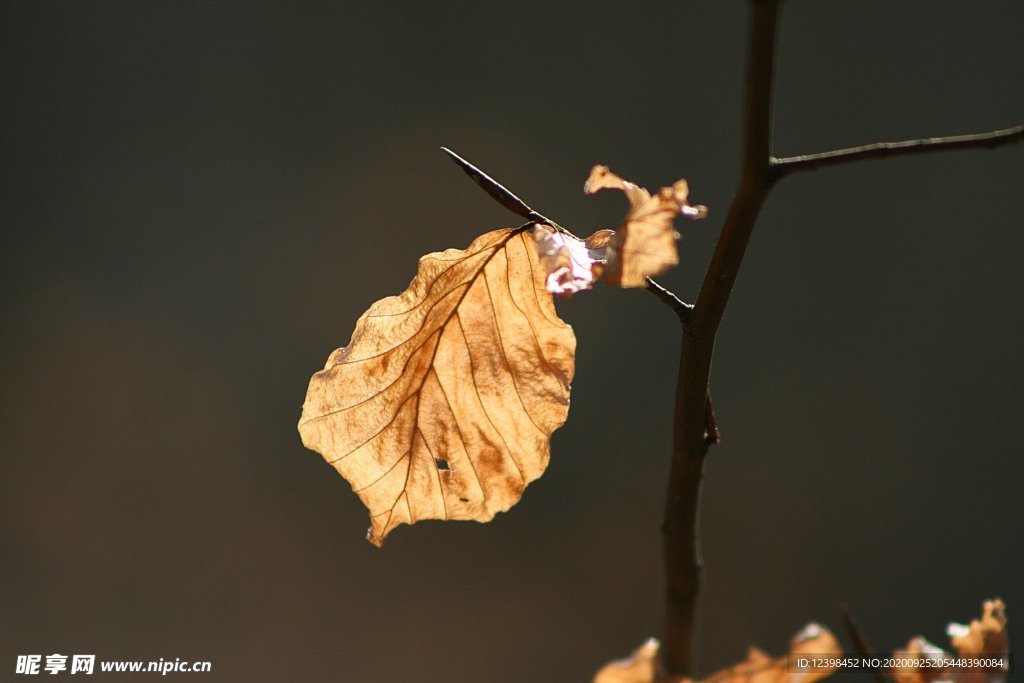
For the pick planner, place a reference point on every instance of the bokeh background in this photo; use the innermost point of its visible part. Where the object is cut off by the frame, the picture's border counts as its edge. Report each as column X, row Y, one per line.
column 200, row 198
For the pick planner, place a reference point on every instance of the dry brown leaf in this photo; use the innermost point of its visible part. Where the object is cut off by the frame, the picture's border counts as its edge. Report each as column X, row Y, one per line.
column 984, row 638
column 443, row 403
column 758, row 667
column 572, row 264
column 639, row 667
column 919, row 649
column 761, row 668
column 644, row 245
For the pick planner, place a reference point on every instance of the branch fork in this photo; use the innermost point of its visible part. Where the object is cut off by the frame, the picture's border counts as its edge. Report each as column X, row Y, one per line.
column 695, row 427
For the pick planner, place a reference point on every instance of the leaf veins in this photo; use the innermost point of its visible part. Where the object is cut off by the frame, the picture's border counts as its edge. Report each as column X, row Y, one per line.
column 443, row 403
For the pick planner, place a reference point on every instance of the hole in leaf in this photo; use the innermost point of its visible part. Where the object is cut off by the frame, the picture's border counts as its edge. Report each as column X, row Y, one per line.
column 441, row 464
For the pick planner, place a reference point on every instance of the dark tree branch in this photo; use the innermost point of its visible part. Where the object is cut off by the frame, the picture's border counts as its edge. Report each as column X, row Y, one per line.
column 695, row 430
column 880, row 150
column 754, row 177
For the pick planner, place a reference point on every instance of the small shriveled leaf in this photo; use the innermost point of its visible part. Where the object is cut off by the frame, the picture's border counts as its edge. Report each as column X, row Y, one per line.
column 761, row 668
column 984, row 638
column 443, row 403
column 918, row 649
column 572, row 264
column 639, row 667
column 758, row 667
column 644, row 245
column 601, row 178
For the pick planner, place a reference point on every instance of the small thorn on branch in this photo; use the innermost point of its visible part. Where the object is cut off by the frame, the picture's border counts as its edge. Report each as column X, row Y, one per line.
column 712, row 435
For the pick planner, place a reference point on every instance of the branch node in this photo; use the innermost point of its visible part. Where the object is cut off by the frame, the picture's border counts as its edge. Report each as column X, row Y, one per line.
column 678, row 306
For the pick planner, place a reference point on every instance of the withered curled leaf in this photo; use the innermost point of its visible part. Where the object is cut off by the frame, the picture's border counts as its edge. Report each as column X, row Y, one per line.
column 572, row 264
column 985, row 638
column 758, row 667
column 918, row 649
column 644, row 245
column 982, row 636
column 762, row 668
column 639, row 667
column 443, row 403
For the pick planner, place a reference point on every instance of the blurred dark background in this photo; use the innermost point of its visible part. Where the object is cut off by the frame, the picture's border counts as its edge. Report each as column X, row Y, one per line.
column 201, row 198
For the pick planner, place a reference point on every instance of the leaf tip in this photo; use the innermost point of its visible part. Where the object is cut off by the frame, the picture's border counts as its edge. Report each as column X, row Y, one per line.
column 597, row 173
column 377, row 541
column 697, row 212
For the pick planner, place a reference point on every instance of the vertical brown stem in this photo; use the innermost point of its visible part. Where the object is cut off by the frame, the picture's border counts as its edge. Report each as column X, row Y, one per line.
column 691, row 439
column 694, row 424
column 680, row 524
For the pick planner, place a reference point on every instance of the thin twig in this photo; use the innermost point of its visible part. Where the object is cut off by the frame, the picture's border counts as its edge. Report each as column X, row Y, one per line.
column 879, row 150
column 681, row 308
